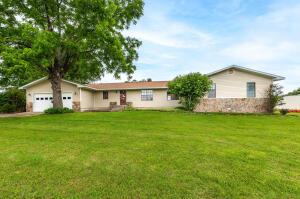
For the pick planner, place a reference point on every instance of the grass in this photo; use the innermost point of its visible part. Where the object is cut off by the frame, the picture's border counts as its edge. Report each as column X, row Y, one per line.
column 150, row 154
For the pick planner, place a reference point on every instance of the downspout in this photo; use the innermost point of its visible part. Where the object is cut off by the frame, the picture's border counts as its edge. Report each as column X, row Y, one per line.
column 94, row 93
column 80, row 98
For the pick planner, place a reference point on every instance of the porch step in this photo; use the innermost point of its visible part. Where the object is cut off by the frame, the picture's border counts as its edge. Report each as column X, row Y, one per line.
column 118, row 108
column 99, row 110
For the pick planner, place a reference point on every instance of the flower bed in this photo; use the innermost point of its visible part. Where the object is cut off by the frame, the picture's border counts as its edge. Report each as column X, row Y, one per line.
column 294, row 111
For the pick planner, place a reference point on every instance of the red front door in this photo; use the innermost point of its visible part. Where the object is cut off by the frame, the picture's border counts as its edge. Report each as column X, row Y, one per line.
column 122, row 97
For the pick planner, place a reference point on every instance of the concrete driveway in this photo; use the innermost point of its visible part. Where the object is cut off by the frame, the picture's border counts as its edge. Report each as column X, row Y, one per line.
column 24, row 114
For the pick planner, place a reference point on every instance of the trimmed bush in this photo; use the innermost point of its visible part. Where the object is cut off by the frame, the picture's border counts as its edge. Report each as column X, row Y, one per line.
column 284, row 111
column 190, row 89
column 58, row 111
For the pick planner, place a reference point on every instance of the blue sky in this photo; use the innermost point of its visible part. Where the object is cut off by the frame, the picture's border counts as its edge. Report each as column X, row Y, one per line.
column 182, row 36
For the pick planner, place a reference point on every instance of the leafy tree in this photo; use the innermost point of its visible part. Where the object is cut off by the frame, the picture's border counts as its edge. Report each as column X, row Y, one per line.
column 75, row 39
column 190, row 89
column 294, row 92
column 275, row 97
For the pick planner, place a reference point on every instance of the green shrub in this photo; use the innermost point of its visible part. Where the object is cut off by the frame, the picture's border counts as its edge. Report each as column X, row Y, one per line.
column 275, row 97
column 58, row 111
column 130, row 108
column 284, row 111
column 12, row 100
column 190, row 89
column 8, row 108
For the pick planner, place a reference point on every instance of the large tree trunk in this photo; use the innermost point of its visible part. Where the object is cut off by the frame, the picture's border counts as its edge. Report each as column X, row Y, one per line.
column 55, row 79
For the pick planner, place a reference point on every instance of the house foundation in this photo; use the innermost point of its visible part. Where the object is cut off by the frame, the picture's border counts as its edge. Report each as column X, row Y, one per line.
column 234, row 105
column 29, row 107
column 76, row 106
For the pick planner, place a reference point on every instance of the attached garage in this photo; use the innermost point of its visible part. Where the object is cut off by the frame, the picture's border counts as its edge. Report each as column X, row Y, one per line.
column 39, row 95
column 43, row 101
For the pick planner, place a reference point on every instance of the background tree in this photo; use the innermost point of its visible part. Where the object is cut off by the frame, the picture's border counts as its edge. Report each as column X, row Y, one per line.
column 75, row 39
column 190, row 89
column 294, row 92
column 275, row 97
column 12, row 100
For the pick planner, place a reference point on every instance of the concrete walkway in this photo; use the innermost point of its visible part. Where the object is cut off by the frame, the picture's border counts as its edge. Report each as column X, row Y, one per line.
column 24, row 114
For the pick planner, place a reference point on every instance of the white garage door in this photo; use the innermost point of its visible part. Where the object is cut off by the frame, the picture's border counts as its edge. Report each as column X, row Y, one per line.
column 43, row 101
column 67, row 100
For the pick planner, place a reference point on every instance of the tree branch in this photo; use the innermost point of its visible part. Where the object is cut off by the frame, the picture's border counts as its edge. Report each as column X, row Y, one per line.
column 49, row 23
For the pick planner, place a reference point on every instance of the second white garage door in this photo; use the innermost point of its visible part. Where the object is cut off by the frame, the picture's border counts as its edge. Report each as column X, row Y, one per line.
column 43, row 101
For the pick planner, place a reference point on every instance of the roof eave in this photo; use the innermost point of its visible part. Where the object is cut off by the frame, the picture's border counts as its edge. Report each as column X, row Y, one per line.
column 33, row 83
column 142, row 88
column 274, row 77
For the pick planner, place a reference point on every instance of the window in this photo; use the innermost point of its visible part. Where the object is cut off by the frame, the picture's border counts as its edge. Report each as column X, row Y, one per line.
column 46, row 98
column 105, row 94
column 51, row 98
column 171, row 96
column 64, row 98
column 69, row 97
column 37, row 98
column 251, row 89
column 42, row 98
column 147, row 95
column 213, row 91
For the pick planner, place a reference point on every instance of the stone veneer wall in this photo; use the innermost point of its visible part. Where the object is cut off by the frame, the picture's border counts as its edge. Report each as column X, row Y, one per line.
column 76, row 106
column 29, row 107
column 234, row 105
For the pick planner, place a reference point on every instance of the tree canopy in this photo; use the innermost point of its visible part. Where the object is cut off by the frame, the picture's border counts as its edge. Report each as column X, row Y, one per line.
column 75, row 39
column 190, row 89
column 294, row 92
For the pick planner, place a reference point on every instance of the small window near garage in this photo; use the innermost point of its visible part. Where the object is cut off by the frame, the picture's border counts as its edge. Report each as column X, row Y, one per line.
column 105, row 95
column 171, row 96
column 64, row 98
column 46, row 98
column 213, row 91
column 147, row 95
column 251, row 89
column 37, row 98
column 51, row 98
column 69, row 97
column 42, row 98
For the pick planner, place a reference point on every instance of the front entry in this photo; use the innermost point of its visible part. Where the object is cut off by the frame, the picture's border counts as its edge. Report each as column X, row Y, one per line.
column 122, row 97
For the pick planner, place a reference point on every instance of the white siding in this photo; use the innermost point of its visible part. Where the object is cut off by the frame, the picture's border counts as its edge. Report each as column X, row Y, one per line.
column 235, row 85
column 291, row 102
column 159, row 99
column 45, row 87
column 113, row 96
column 87, row 100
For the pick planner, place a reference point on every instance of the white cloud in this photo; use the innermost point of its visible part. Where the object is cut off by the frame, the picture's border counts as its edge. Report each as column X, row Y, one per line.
column 160, row 30
column 173, row 45
column 258, row 51
column 175, row 35
column 271, row 43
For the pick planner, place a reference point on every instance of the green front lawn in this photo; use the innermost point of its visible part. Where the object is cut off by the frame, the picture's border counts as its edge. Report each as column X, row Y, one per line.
column 150, row 154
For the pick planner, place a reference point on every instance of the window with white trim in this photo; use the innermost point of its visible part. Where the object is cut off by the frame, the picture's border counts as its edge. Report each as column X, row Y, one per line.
column 147, row 95
column 213, row 91
column 251, row 90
